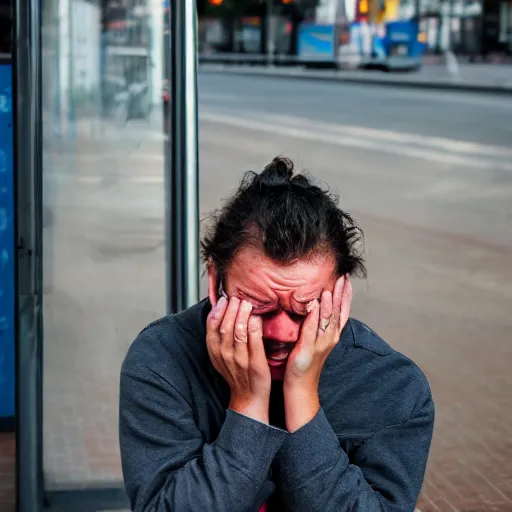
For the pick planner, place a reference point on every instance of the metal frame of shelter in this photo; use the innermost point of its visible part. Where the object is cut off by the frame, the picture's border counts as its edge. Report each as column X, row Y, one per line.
column 182, row 232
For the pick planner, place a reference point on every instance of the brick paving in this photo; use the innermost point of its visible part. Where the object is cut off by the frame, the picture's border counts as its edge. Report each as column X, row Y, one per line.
column 7, row 471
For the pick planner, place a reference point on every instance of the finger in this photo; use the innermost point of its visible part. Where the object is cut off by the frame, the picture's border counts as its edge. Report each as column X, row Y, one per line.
column 325, row 311
column 216, row 315
column 255, row 337
column 337, row 299
column 346, row 303
column 309, row 328
column 213, row 326
column 228, row 324
column 212, row 333
column 241, row 336
column 242, row 321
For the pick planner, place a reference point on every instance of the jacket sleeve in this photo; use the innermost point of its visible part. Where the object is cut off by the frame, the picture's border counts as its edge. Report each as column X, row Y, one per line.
column 168, row 466
column 386, row 474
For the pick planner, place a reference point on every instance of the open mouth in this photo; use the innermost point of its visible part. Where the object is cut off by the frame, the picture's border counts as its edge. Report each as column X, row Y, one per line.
column 277, row 353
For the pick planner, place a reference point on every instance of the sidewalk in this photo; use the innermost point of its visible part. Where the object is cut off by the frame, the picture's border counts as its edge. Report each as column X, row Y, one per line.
column 487, row 78
column 7, row 471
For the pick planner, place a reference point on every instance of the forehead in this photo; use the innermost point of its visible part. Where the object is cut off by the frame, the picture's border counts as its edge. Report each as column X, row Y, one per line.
column 251, row 271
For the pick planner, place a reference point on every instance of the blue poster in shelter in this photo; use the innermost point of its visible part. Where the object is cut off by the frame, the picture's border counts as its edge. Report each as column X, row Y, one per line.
column 6, row 244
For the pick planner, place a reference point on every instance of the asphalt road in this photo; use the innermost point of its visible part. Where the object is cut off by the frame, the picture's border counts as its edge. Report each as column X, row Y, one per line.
column 456, row 115
column 428, row 175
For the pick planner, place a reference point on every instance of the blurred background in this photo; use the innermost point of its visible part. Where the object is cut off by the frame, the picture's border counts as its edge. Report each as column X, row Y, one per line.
column 403, row 107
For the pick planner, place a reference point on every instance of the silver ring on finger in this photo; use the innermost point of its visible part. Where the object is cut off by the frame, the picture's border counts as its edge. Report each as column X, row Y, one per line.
column 324, row 323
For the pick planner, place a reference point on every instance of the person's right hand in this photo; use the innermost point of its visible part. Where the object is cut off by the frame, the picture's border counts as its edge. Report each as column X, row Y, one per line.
column 235, row 344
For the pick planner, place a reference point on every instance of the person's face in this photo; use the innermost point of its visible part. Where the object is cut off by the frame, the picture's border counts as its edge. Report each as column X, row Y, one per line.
column 279, row 294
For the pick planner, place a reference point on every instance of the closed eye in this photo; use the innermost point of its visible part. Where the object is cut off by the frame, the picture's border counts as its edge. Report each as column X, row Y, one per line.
column 301, row 308
column 263, row 309
column 299, row 313
column 258, row 305
column 294, row 315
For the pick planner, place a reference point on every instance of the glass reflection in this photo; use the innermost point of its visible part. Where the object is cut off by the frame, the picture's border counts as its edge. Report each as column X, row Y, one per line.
column 104, row 217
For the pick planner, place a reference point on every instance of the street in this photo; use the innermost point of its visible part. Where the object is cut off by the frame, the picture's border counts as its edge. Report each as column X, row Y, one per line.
column 428, row 176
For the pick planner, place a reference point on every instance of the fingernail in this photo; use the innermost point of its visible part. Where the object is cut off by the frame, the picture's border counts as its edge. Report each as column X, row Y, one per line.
column 218, row 307
column 247, row 305
column 311, row 305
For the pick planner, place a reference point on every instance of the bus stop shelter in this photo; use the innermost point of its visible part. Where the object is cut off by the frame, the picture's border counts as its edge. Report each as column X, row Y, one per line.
column 99, row 227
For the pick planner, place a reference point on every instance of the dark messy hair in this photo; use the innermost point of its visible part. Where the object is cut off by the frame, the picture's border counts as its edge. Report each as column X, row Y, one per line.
column 288, row 217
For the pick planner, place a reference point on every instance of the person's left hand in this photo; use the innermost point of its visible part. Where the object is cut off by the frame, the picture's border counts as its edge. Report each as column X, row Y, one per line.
column 320, row 333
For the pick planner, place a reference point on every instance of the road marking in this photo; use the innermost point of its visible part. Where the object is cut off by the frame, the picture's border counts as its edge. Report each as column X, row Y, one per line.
column 451, row 145
column 146, row 179
column 91, row 180
column 371, row 139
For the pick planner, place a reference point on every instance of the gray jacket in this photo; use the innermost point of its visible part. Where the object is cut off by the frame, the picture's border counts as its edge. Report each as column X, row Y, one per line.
column 183, row 450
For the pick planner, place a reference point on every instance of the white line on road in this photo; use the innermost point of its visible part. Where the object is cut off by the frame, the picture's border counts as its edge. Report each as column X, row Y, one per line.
column 91, row 180
column 147, row 180
column 451, row 145
column 370, row 139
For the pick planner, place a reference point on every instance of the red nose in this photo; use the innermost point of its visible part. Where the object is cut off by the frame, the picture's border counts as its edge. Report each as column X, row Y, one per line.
column 281, row 327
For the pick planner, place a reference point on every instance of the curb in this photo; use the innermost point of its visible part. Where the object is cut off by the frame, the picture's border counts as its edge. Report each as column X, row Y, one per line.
column 504, row 89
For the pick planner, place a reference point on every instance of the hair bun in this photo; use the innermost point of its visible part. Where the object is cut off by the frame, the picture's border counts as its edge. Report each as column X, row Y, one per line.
column 277, row 173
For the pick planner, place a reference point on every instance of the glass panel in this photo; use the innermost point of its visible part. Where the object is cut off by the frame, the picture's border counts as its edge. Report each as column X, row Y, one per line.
column 7, row 257
column 104, row 276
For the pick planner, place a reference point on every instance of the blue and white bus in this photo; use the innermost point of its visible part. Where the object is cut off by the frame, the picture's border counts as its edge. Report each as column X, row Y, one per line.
column 345, row 38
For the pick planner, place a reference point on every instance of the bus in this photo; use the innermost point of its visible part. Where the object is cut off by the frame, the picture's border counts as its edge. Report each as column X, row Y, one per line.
column 359, row 34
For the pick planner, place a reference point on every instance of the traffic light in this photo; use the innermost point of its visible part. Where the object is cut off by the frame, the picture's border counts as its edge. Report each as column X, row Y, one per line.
column 215, row 2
